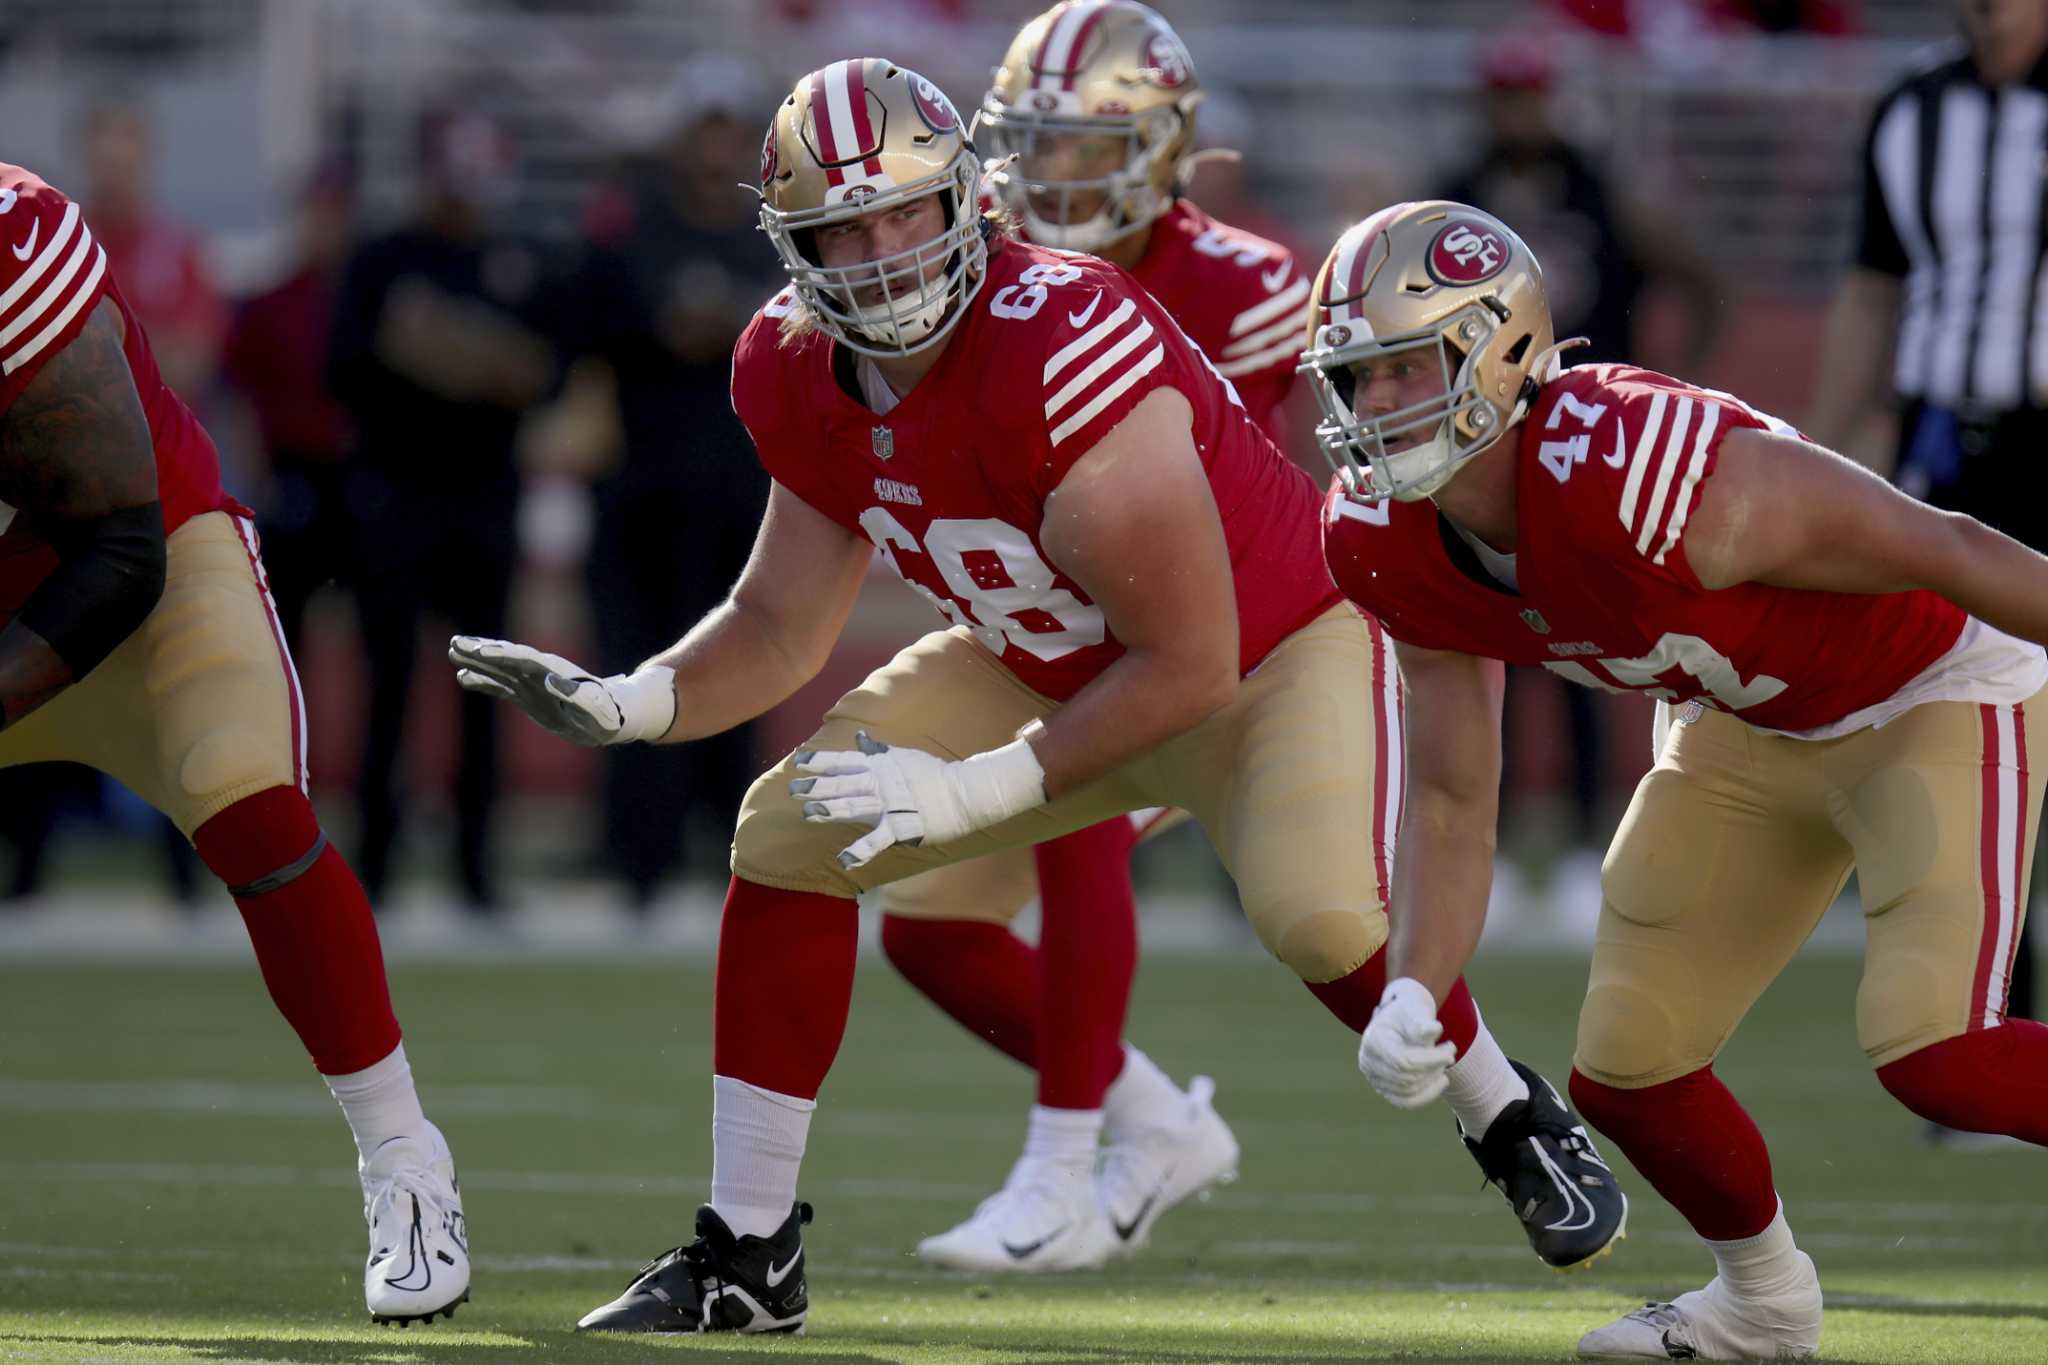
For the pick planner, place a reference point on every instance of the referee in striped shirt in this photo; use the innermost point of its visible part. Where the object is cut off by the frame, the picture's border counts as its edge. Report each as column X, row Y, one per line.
column 1950, row 286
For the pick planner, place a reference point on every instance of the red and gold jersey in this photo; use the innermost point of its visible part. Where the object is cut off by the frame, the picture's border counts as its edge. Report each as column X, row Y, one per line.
column 1239, row 297
column 951, row 483
column 1612, row 463
column 52, row 275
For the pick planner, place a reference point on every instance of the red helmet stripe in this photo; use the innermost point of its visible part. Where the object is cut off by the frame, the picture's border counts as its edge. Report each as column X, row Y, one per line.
column 863, row 126
column 1080, row 45
column 821, row 120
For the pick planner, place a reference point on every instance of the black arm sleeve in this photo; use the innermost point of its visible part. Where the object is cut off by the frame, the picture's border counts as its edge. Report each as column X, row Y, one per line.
column 109, row 575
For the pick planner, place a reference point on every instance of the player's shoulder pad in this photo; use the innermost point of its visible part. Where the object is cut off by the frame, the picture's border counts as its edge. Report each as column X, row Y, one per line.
column 1099, row 333
column 761, row 354
column 51, row 267
column 1629, row 448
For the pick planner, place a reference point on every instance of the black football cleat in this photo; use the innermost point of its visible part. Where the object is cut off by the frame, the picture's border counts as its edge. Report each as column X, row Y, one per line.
column 718, row 1283
column 1537, row 1154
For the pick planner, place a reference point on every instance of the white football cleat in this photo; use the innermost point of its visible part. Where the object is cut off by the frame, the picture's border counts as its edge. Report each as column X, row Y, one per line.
column 419, row 1244
column 1043, row 1218
column 1148, row 1171
column 1713, row 1324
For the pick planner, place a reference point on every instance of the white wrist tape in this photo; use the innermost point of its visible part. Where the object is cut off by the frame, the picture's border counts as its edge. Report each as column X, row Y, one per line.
column 1000, row 783
column 647, row 701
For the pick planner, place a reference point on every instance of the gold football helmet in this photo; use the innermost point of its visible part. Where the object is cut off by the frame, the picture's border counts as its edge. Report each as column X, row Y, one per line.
column 1451, row 283
column 858, row 137
column 1096, row 101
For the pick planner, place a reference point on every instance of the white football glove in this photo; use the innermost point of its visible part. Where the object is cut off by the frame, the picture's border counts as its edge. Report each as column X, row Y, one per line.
column 911, row 797
column 562, row 698
column 1400, row 1053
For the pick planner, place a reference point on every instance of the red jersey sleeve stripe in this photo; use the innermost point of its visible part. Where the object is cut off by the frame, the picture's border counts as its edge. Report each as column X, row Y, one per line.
column 12, row 360
column 1294, row 297
column 1287, row 329
column 51, row 250
column 1667, row 469
column 1110, row 393
column 1084, row 343
column 1096, row 368
column 1681, row 506
column 1289, row 351
column 1639, row 463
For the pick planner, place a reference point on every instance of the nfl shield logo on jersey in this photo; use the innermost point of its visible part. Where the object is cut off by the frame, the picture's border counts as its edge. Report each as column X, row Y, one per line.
column 885, row 443
column 1533, row 619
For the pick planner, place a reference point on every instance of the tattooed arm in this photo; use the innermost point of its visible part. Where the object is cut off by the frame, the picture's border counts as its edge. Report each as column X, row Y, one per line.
column 78, row 465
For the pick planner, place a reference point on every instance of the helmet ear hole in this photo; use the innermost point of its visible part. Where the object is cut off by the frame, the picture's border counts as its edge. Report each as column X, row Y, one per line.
column 1514, row 353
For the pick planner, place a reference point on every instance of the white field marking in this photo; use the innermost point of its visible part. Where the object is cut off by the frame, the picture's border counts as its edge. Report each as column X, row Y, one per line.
column 1886, row 1215
column 274, row 1100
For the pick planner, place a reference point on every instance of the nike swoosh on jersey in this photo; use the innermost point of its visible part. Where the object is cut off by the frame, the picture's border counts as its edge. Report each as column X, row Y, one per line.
column 1620, row 455
column 27, row 248
column 777, row 1274
column 1277, row 276
column 1019, row 1253
column 1080, row 319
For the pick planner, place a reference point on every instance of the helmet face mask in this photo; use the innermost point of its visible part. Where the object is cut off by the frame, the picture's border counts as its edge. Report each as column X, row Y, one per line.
column 1080, row 183
column 1452, row 288
column 1089, row 122
column 897, row 304
column 864, row 138
column 1412, row 451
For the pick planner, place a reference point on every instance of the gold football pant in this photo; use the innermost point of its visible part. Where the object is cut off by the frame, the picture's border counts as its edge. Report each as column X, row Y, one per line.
column 200, row 706
column 1737, row 842
column 1296, row 782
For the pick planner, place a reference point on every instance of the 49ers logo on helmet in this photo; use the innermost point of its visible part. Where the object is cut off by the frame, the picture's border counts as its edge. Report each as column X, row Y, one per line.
column 1465, row 253
column 1166, row 61
column 770, row 159
column 933, row 106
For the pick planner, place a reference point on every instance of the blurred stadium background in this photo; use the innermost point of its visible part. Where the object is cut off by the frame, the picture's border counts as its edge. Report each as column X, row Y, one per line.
column 1724, row 131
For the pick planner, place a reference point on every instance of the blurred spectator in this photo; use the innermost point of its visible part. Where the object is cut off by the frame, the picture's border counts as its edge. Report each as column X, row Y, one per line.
column 436, row 355
column 1947, row 287
column 277, row 358
column 1599, row 253
column 160, row 263
column 674, row 267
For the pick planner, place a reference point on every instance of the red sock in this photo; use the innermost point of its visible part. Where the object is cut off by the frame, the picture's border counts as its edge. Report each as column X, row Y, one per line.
column 785, row 982
column 1993, row 1080
column 980, row 973
column 1695, row 1144
column 315, row 939
column 1087, row 956
column 1353, row 998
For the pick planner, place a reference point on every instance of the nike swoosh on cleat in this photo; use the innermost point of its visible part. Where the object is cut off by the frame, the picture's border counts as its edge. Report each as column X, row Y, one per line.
column 1080, row 319
column 416, row 1247
column 1124, row 1231
column 777, row 1274
column 1020, row 1253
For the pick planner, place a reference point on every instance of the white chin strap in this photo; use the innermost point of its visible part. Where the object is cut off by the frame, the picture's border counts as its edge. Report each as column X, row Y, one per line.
column 1419, row 471
column 904, row 324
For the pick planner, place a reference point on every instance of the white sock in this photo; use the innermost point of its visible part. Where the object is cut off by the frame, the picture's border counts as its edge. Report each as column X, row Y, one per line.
column 1758, row 1267
column 1064, row 1137
column 757, row 1144
column 379, row 1102
column 1482, row 1084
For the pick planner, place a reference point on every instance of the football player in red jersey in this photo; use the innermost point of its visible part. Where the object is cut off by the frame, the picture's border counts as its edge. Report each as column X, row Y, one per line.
column 137, row 636
column 1140, row 617
column 1853, row 677
column 1090, row 120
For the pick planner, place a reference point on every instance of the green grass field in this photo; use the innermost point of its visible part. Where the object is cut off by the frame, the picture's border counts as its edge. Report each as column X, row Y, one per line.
column 177, row 1185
